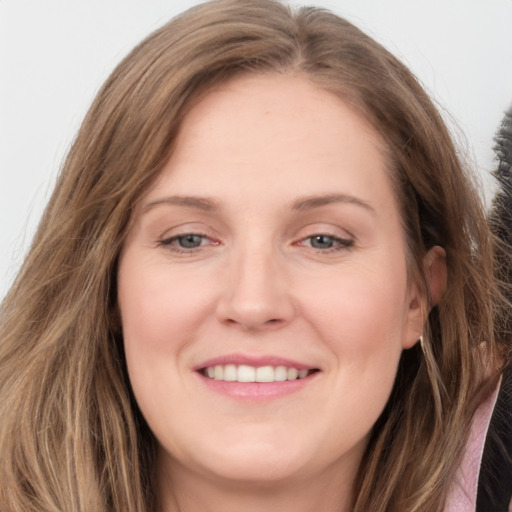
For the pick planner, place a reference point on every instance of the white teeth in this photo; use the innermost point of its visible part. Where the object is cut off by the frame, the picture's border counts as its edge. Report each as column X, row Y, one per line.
column 230, row 372
column 219, row 372
column 280, row 374
column 265, row 374
column 302, row 374
column 246, row 373
column 292, row 373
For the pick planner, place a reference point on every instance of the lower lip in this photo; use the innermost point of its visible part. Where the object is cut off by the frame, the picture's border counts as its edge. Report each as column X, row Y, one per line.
column 256, row 391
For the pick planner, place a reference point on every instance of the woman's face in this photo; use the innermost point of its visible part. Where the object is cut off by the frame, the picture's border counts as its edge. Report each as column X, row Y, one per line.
column 270, row 249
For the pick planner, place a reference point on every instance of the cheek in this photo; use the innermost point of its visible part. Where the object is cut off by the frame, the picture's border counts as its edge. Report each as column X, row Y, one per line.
column 362, row 323
column 159, row 308
column 159, row 314
column 360, row 313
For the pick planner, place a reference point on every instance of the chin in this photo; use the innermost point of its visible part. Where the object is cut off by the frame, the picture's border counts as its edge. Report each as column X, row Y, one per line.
column 251, row 460
column 258, row 470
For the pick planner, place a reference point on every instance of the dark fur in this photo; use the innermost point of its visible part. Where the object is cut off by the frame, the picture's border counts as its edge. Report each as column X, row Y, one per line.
column 503, row 201
column 501, row 215
column 495, row 482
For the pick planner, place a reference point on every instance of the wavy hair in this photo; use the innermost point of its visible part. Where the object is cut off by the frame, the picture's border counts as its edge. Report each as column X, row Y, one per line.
column 71, row 436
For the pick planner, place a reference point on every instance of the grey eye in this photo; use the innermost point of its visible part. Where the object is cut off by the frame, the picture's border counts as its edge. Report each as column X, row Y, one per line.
column 189, row 241
column 322, row 241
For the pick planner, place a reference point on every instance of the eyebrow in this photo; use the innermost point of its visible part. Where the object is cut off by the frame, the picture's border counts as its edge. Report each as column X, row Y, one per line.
column 310, row 202
column 300, row 204
column 201, row 203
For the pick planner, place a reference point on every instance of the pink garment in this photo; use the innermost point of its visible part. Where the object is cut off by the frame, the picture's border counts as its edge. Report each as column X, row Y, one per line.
column 463, row 491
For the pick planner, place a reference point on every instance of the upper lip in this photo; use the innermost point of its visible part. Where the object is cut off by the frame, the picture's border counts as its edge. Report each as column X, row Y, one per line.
column 256, row 361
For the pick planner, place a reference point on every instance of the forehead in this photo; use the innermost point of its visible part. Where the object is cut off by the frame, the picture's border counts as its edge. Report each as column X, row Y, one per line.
column 260, row 131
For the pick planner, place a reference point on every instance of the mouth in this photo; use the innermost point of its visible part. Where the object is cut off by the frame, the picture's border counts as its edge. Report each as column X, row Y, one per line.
column 255, row 378
column 263, row 374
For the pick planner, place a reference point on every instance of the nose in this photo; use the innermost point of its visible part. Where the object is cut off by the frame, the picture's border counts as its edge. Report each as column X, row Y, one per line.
column 256, row 294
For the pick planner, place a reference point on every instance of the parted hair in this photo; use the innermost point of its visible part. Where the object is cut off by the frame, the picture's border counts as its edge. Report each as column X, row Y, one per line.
column 71, row 435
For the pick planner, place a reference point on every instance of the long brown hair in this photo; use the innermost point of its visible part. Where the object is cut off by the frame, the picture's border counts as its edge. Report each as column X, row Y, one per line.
column 71, row 436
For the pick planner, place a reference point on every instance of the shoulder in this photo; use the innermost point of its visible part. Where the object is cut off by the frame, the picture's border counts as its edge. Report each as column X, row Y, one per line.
column 495, row 477
column 483, row 482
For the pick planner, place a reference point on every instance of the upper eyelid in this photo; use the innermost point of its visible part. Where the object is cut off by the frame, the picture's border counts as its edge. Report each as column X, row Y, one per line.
column 166, row 236
column 186, row 228
column 343, row 240
column 303, row 232
column 167, row 243
column 342, row 237
column 203, row 233
column 172, row 245
column 167, row 239
column 326, row 230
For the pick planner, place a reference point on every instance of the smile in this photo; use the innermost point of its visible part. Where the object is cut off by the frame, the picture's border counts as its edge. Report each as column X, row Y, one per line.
column 247, row 373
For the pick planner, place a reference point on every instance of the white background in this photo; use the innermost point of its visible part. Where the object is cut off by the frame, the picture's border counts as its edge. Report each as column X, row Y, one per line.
column 54, row 54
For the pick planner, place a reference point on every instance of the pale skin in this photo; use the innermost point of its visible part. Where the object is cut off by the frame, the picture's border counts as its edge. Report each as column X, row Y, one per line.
column 272, row 232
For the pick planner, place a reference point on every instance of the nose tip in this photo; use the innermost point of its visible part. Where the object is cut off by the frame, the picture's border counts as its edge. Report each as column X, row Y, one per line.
column 253, row 319
column 256, row 297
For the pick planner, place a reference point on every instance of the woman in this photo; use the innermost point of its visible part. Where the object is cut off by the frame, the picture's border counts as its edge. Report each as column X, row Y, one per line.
column 264, row 281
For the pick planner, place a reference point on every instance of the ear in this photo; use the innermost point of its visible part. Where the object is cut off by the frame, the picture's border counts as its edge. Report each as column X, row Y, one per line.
column 437, row 274
column 434, row 264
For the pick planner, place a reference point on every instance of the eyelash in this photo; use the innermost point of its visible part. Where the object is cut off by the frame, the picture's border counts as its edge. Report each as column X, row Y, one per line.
column 339, row 244
column 168, row 243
